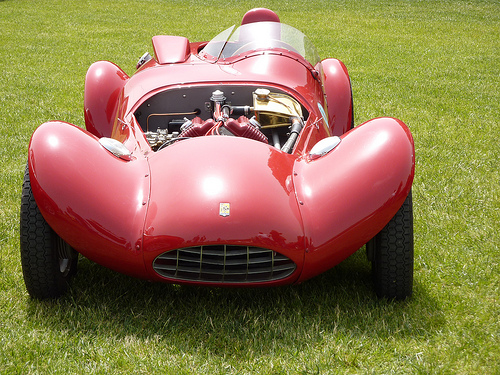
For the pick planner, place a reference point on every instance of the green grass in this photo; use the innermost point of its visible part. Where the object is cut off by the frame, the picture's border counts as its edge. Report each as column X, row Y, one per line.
column 435, row 65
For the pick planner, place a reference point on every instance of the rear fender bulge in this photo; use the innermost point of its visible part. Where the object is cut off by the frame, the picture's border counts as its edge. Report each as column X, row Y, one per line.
column 338, row 92
column 347, row 196
column 95, row 201
column 104, row 82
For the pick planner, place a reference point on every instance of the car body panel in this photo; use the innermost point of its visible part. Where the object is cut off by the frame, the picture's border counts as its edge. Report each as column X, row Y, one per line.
column 342, row 210
column 254, row 179
column 216, row 188
column 93, row 200
column 171, row 49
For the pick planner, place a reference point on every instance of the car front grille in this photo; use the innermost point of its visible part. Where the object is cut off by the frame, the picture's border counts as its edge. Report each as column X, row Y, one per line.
column 223, row 264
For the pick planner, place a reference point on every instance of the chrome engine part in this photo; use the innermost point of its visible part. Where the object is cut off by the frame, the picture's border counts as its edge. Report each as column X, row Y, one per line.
column 159, row 137
column 274, row 118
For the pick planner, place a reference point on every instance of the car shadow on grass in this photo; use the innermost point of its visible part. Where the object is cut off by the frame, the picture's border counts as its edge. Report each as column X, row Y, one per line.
column 225, row 321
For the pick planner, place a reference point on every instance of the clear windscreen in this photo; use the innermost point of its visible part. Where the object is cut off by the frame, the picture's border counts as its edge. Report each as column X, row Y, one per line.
column 273, row 36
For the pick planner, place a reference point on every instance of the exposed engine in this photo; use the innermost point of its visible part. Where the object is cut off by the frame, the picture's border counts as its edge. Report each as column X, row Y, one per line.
column 274, row 118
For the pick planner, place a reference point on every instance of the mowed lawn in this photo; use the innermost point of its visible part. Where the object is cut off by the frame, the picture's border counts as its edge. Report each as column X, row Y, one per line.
column 433, row 64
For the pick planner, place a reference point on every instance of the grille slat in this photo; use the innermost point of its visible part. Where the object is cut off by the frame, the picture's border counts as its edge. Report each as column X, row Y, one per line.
column 224, row 264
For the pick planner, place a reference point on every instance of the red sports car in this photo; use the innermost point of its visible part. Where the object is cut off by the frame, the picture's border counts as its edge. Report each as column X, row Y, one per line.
column 233, row 162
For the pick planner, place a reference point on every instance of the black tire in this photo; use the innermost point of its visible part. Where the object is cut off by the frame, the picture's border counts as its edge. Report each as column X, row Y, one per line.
column 391, row 254
column 48, row 262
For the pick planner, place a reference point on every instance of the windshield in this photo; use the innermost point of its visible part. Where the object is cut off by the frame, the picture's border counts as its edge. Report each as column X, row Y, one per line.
column 257, row 36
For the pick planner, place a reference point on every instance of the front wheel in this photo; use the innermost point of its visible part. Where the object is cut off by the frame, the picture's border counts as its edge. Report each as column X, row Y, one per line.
column 48, row 262
column 391, row 254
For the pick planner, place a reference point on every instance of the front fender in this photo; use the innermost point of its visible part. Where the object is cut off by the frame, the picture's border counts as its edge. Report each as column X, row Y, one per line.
column 93, row 200
column 347, row 196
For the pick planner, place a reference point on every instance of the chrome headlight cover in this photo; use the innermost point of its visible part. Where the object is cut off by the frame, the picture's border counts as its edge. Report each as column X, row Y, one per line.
column 323, row 147
column 116, row 148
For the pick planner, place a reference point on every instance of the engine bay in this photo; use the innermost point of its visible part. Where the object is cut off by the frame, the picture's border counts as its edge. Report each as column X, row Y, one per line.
column 261, row 113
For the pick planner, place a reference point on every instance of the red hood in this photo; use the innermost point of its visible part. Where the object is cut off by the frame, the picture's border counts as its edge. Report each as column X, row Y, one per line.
column 192, row 178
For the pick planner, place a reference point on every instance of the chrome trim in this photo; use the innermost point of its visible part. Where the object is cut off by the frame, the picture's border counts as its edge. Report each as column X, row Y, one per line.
column 143, row 60
column 116, row 148
column 323, row 147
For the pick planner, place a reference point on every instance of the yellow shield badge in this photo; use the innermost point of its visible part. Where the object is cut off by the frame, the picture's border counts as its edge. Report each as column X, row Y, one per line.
column 224, row 209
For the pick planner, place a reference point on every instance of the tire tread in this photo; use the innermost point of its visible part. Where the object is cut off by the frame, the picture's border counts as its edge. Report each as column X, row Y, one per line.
column 38, row 258
column 393, row 258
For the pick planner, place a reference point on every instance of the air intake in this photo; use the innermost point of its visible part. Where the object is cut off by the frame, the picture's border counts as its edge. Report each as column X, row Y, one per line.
column 223, row 264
